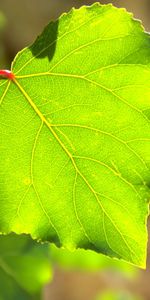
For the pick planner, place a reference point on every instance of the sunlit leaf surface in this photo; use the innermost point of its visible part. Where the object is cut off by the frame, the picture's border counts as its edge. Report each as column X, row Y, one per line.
column 75, row 135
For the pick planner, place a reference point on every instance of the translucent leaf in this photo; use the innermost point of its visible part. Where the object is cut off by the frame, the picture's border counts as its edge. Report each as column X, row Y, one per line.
column 75, row 135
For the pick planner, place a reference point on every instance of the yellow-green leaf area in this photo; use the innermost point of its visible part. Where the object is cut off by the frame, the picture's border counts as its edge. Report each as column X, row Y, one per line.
column 75, row 135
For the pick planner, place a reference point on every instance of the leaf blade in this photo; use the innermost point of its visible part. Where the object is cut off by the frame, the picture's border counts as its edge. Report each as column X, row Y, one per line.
column 82, row 160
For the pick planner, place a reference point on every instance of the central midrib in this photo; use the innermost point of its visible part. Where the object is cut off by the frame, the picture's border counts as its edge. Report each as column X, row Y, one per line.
column 44, row 121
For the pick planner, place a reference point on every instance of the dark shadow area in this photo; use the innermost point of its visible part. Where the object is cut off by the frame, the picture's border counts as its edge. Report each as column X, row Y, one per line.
column 45, row 44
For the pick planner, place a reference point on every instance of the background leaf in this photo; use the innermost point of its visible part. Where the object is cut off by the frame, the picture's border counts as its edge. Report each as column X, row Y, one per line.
column 2, row 51
column 111, row 295
column 24, row 268
column 89, row 261
column 75, row 150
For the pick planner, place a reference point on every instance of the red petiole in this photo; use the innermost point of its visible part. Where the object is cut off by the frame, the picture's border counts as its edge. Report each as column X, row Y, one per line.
column 7, row 74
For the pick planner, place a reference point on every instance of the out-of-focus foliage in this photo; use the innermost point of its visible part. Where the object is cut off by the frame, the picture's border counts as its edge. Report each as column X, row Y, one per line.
column 24, row 268
column 2, row 52
column 2, row 22
column 111, row 295
column 87, row 260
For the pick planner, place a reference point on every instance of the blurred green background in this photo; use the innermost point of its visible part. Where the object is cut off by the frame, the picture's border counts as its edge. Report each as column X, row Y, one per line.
column 26, row 266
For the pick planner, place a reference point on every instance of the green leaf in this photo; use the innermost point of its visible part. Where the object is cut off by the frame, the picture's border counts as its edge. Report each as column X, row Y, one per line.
column 75, row 135
column 24, row 268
